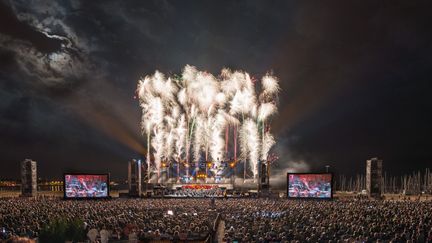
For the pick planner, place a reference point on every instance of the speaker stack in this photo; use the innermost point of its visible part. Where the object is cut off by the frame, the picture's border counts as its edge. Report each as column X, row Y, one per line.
column 264, row 178
column 374, row 177
column 28, row 178
column 134, row 178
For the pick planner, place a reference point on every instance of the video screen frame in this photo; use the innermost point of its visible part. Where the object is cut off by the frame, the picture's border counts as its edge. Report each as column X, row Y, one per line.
column 86, row 174
column 311, row 173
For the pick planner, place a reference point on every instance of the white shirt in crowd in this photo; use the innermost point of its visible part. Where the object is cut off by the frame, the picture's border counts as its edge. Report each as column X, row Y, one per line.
column 92, row 234
column 104, row 234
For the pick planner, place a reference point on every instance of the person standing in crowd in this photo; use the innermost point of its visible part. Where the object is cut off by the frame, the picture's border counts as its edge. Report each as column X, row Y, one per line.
column 104, row 234
column 92, row 234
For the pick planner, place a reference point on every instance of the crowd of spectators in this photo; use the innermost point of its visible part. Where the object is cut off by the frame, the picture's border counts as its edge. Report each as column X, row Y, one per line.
column 135, row 219
column 261, row 220
column 245, row 219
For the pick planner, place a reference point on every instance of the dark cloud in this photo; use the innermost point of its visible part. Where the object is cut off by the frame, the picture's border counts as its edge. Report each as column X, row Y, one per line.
column 10, row 25
column 354, row 76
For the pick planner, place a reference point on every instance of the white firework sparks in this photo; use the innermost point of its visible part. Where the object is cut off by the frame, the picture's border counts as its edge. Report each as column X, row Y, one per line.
column 270, row 84
column 188, row 118
column 252, row 143
column 265, row 110
column 267, row 143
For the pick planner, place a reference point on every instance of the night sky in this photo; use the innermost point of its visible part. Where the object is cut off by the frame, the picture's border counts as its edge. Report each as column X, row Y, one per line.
column 355, row 77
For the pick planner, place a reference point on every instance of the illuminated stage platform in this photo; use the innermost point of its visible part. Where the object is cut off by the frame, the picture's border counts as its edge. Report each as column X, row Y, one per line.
column 204, row 186
column 199, row 190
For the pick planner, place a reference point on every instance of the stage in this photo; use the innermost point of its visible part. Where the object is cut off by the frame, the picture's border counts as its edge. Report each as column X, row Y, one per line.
column 203, row 186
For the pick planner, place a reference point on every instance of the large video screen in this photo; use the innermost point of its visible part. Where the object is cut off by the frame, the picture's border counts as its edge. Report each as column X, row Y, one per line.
column 86, row 185
column 310, row 185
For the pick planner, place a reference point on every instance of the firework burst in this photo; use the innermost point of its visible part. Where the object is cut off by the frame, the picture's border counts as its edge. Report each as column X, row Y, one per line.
column 191, row 117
